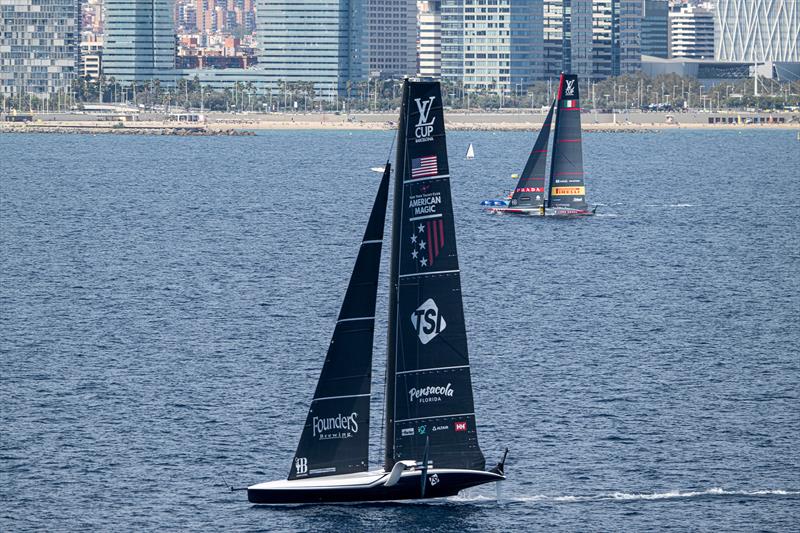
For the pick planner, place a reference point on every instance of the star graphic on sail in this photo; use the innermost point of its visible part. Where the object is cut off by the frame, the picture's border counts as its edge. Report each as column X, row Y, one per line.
column 427, row 240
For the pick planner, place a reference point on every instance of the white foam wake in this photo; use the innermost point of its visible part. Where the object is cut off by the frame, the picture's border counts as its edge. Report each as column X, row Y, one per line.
column 628, row 496
column 669, row 205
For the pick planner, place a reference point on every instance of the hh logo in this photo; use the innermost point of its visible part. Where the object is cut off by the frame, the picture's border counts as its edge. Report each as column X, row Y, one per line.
column 461, row 426
column 301, row 465
column 427, row 321
column 569, row 90
column 424, row 128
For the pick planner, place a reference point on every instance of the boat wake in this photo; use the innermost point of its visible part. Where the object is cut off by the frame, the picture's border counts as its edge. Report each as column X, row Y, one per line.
column 630, row 496
column 669, row 205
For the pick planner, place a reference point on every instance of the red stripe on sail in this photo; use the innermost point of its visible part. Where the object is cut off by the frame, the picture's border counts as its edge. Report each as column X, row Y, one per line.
column 560, row 87
column 569, row 140
column 441, row 235
column 431, row 244
column 570, row 109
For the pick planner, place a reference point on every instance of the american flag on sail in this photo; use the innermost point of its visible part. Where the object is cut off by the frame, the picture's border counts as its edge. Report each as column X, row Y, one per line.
column 424, row 166
column 427, row 240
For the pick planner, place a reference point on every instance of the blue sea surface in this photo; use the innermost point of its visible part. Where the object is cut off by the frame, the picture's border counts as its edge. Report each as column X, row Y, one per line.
column 166, row 304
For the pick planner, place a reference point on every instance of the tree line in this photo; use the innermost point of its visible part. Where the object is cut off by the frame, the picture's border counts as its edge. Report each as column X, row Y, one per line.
column 667, row 92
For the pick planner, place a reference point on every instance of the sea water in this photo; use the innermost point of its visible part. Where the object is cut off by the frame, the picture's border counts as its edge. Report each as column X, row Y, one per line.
column 166, row 304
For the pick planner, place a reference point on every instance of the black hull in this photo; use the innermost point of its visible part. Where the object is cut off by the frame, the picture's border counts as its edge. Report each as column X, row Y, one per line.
column 407, row 488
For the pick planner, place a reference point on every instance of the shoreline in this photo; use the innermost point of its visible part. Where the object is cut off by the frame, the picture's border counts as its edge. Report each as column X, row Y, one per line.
column 216, row 124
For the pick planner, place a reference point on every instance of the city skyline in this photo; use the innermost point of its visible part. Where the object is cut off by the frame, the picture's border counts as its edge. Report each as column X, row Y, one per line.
column 479, row 45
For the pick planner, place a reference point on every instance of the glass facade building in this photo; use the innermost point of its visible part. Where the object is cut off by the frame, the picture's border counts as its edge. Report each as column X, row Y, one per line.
column 592, row 38
column 757, row 30
column 39, row 45
column 324, row 42
column 139, row 41
column 493, row 45
column 691, row 33
column 430, row 40
column 605, row 37
column 392, row 38
column 557, row 28
column 452, row 21
column 655, row 28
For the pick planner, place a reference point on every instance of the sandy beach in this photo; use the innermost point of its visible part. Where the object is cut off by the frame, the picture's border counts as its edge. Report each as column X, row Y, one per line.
column 515, row 120
column 508, row 121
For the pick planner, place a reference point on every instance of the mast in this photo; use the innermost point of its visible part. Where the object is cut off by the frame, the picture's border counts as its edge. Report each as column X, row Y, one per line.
column 391, row 334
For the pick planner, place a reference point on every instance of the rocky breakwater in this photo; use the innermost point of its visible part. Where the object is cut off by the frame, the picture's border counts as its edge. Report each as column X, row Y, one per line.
column 122, row 129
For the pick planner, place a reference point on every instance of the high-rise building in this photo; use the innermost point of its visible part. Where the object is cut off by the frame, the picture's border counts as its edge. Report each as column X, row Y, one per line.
column 556, row 26
column 139, row 41
column 493, row 45
column 452, row 20
column 487, row 45
column 91, row 59
column 655, row 28
column 605, row 37
column 392, row 38
column 430, row 40
column 628, row 36
column 323, row 42
column 39, row 45
column 527, row 43
column 691, row 33
column 757, row 30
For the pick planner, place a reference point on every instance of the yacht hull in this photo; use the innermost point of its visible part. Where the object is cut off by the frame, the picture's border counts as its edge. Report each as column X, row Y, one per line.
column 368, row 487
column 537, row 212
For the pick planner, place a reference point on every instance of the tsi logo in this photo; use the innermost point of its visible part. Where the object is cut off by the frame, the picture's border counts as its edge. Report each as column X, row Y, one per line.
column 301, row 465
column 569, row 90
column 424, row 128
column 434, row 479
column 427, row 321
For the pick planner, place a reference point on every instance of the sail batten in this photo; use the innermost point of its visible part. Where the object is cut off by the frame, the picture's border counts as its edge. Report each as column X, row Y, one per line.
column 429, row 401
column 335, row 438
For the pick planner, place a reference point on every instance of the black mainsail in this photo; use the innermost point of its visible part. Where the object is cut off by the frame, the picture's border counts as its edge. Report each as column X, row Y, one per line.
column 429, row 390
column 567, row 188
column 335, row 439
column 530, row 189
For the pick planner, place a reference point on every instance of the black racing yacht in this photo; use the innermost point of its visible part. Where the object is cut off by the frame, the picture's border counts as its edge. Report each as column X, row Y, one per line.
column 564, row 193
column 431, row 435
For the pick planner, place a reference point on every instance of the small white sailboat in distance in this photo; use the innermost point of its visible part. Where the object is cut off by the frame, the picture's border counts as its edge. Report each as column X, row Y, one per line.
column 378, row 169
column 470, row 152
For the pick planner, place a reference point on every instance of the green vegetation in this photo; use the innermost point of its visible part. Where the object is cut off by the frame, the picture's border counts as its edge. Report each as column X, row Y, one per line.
column 666, row 92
